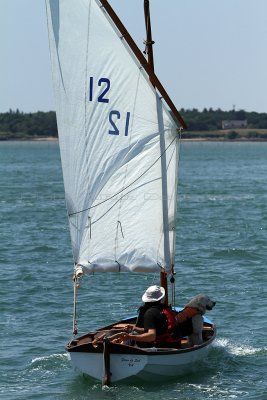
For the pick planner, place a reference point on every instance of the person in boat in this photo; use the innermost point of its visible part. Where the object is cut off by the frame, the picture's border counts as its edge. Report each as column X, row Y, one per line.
column 152, row 325
column 157, row 324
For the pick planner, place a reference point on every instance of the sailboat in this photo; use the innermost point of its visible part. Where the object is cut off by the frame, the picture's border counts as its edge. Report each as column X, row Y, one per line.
column 119, row 135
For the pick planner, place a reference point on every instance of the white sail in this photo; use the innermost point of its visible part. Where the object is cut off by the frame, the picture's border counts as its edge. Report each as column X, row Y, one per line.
column 117, row 141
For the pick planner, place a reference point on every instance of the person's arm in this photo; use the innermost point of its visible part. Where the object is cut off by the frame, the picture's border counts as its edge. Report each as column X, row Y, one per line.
column 133, row 328
column 149, row 336
column 139, row 330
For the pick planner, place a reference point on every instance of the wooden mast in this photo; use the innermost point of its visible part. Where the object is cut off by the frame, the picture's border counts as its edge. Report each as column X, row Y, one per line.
column 153, row 78
column 149, row 42
column 150, row 60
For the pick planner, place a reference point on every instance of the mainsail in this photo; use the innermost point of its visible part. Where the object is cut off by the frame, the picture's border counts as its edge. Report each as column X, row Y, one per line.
column 118, row 144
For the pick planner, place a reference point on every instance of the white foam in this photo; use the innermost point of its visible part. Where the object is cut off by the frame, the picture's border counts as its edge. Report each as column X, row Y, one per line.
column 64, row 357
column 216, row 390
column 238, row 349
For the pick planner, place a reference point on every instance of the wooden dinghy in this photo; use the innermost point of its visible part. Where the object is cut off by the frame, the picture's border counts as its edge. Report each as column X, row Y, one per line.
column 96, row 356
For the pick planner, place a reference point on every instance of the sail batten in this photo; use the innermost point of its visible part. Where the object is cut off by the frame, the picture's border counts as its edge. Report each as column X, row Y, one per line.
column 117, row 143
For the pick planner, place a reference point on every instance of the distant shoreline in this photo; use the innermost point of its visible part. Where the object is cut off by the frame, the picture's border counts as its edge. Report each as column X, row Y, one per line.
column 224, row 140
column 238, row 135
column 33, row 139
column 196, row 139
column 206, row 125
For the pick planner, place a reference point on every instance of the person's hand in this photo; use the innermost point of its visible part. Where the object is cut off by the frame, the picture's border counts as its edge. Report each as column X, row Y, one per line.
column 119, row 337
column 128, row 328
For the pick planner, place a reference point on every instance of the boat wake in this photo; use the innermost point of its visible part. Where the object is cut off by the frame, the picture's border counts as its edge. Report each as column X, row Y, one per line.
column 238, row 349
column 50, row 362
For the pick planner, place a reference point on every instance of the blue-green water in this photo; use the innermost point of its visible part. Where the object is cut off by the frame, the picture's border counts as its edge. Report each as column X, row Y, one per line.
column 221, row 251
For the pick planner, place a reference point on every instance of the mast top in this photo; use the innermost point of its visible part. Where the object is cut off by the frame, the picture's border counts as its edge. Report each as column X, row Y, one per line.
column 149, row 42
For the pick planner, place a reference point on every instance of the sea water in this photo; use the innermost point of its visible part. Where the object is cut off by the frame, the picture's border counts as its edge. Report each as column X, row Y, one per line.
column 221, row 251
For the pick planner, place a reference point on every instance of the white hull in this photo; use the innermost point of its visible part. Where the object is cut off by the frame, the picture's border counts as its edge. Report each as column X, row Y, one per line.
column 150, row 364
column 146, row 367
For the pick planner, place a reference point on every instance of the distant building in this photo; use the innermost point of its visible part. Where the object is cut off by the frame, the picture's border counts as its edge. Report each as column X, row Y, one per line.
column 230, row 124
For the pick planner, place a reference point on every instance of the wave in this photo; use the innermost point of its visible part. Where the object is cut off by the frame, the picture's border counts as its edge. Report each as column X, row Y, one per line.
column 239, row 197
column 237, row 349
column 50, row 362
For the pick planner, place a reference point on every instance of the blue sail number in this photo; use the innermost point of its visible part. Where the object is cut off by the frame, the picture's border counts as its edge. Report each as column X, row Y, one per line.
column 114, row 115
column 101, row 98
column 105, row 83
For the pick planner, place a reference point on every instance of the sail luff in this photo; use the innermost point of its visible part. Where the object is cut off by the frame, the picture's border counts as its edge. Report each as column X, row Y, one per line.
column 152, row 76
column 177, row 157
column 164, row 188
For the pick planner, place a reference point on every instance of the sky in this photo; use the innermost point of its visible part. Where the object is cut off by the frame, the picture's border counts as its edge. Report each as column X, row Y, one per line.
column 207, row 53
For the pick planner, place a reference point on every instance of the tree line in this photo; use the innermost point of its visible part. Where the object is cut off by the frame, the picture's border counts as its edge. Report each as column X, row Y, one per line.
column 16, row 124
column 211, row 120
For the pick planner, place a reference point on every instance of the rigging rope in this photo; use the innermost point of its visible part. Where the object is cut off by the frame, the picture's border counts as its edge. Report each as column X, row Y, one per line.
column 78, row 273
column 74, row 327
column 172, row 280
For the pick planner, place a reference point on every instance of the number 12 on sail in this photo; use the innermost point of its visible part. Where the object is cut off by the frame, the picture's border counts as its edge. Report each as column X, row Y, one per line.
column 114, row 115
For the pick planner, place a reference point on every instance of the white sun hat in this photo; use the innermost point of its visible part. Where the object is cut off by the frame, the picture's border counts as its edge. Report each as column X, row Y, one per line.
column 153, row 293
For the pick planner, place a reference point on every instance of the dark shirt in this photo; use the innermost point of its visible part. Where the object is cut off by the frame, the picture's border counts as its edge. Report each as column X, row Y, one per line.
column 151, row 317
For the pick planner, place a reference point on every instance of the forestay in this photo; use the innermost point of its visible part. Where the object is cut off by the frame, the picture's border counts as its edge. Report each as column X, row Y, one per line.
column 118, row 144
